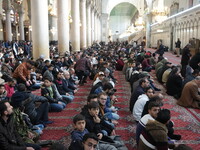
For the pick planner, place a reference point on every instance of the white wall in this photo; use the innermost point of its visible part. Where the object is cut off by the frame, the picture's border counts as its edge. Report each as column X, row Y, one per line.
column 185, row 26
column 119, row 23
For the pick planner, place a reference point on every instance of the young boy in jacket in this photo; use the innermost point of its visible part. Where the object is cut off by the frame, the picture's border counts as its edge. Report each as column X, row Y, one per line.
column 78, row 133
column 50, row 91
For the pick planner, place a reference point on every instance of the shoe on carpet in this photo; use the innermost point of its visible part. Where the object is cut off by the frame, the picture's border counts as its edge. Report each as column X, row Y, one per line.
column 175, row 137
column 48, row 122
column 45, row 143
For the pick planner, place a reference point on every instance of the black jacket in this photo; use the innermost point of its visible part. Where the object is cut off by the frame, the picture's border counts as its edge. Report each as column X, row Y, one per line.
column 28, row 100
column 9, row 138
column 91, row 126
column 67, row 86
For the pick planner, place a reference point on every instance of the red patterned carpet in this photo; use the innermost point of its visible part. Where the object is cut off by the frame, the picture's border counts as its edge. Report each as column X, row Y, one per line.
column 187, row 121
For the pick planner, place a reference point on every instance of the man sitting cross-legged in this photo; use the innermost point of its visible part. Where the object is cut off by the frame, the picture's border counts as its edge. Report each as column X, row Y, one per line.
column 140, row 103
column 153, row 109
column 37, row 114
column 154, row 136
column 9, row 138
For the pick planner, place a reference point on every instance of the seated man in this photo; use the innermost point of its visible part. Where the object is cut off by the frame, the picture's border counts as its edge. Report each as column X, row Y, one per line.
column 61, row 87
column 107, row 112
column 9, row 138
column 190, row 95
column 144, row 83
column 158, row 99
column 68, row 85
column 140, row 103
column 153, row 109
column 155, row 134
column 37, row 114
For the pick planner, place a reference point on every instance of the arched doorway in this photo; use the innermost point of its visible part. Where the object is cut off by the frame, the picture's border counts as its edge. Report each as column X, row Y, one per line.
column 121, row 18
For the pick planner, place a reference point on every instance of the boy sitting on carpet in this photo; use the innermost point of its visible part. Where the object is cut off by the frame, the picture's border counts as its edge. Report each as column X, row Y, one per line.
column 94, row 122
column 77, row 136
column 78, row 133
column 50, row 91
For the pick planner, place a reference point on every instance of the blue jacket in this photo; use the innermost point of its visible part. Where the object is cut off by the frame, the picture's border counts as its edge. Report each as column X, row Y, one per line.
column 78, row 135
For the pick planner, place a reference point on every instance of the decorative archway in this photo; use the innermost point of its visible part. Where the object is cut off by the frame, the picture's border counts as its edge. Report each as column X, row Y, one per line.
column 110, row 4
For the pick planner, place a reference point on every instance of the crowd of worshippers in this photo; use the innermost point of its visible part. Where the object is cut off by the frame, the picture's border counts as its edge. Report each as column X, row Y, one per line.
column 25, row 114
column 154, row 126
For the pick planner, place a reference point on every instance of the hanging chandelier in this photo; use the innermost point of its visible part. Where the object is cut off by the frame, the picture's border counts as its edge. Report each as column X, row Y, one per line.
column 139, row 21
column 160, row 11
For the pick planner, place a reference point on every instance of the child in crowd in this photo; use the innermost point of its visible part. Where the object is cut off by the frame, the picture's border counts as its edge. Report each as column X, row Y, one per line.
column 94, row 123
column 78, row 133
column 49, row 91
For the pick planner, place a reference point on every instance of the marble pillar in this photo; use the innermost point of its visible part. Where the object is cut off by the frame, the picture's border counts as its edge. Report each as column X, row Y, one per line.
column 63, row 26
column 92, row 22
column 96, row 27
column 75, row 31
column 1, row 18
column 83, row 28
column 89, row 24
column 53, row 34
column 40, row 28
column 99, row 32
column 148, row 26
column 8, row 25
column 105, row 27
column 21, row 25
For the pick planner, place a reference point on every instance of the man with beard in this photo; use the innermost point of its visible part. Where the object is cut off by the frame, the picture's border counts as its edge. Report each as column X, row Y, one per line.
column 9, row 138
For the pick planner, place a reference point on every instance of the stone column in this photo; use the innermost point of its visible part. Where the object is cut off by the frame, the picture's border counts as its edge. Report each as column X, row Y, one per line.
column 21, row 25
column 53, row 34
column 83, row 22
column 105, row 27
column 96, row 27
column 17, row 34
column 63, row 26
column 92, row 22
column 1, row 18
column 89, row 24
column 8, row 22
column 100, row 32
column 40, row 28
column 75, row 31
column 148, row 26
